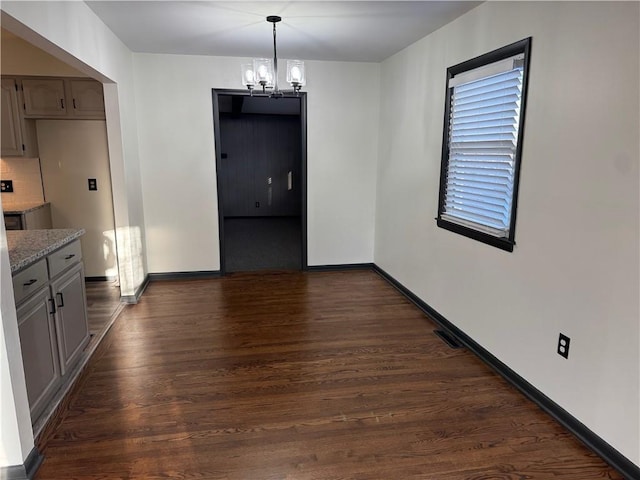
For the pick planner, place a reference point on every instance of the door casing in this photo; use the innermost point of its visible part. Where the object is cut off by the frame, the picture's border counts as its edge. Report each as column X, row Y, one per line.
column 216, row 92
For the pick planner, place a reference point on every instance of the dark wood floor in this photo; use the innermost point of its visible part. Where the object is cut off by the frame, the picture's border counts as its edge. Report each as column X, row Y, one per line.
column 103, row 302
column 262, row 243
column 298, row 376
column 103, row 307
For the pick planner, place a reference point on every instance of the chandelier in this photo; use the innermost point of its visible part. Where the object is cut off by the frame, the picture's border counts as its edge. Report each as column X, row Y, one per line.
column 263, row 72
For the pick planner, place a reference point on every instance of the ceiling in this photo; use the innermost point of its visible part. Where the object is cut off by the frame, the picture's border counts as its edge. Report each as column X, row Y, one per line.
column 356, row 31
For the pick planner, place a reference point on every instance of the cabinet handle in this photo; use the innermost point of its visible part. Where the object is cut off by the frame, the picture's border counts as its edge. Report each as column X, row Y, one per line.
column 62, row 103
column 52, row 306
column 74, row 104
column 69, row 257
column 30, row 282
column 60, row 298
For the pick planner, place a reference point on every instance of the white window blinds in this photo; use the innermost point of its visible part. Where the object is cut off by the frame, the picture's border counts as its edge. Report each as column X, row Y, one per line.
column 483, row 136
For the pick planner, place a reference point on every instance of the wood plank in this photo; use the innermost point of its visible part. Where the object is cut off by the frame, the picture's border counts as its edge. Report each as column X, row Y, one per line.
column 103, row 307
column 291, row 375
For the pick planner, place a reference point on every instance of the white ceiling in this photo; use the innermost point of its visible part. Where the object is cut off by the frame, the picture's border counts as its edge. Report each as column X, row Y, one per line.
column 359, row 31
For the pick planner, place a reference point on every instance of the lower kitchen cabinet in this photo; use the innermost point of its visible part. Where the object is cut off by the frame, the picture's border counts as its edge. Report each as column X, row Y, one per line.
column 51, row 307
column 39, row 349
column 71, row 316
column 32, row 219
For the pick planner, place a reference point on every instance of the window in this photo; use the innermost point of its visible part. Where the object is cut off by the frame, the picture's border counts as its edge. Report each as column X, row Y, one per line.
column 482, row 145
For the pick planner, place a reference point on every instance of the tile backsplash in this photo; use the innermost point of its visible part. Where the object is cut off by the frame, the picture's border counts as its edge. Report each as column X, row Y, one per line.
column 27, row 180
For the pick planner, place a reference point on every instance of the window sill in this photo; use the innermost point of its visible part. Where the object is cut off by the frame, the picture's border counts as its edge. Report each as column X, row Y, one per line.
column 501, row 243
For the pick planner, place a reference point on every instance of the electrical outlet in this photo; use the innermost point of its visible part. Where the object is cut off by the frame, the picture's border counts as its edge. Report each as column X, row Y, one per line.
column 6, row 186
column 93, row 184
column 563, row 345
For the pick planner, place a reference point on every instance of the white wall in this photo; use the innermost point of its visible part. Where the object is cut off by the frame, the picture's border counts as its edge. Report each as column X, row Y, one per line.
column 16, row 437
column 173, row 96
column 70, row 153
column 575, row 266
column 343, row 117
column 22, row 58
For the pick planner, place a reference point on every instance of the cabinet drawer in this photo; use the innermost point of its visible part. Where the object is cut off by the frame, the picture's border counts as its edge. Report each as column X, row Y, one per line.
column 30, row 280
column 63, row 258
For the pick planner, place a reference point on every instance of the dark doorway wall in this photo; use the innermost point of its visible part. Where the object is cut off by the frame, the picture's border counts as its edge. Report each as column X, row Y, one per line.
column 260, row 165
column 261, row 153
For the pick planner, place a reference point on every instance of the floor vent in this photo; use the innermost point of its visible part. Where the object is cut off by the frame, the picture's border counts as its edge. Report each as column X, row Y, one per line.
column 448, row 339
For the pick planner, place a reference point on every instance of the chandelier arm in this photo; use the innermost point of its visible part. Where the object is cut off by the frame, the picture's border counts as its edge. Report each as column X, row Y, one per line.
column 275, row 60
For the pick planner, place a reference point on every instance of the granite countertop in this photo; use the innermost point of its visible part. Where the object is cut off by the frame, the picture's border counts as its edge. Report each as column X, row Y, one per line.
column 22, row 208
column 27, row 246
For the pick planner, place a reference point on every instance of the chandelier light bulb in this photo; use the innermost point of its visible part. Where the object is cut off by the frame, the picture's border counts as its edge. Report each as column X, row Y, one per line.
column 264, row 71
column 248, row 78
column 296, row 74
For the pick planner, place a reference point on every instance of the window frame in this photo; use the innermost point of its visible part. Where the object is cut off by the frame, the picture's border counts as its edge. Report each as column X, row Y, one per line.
column 504, row 243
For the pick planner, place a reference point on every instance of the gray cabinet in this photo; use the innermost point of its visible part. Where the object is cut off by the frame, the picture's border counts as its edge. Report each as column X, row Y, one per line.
column 30, row 280
column 18, row 134
column 11, row 135
column 72, row 328
column 26, row 99
column 66, row 98
column 39, row 349
column 52, row 321
column 44, row 97
column 87, row 98
column 37, row 219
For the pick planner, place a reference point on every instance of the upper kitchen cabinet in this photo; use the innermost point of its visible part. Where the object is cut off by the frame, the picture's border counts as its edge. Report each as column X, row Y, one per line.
column 18, row 134
column 11, row 136
column 44, row 98
column 65, row 98
column 87, row 99
column 26, row 99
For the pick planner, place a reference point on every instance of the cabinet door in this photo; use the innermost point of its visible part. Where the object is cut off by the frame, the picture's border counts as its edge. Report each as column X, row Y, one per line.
column 44, row 98
column 39, row 350
column 11, row 134
column 87, row 98
column 72, row 327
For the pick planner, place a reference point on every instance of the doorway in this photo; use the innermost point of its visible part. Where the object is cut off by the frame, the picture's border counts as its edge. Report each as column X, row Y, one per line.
column 261, row 177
